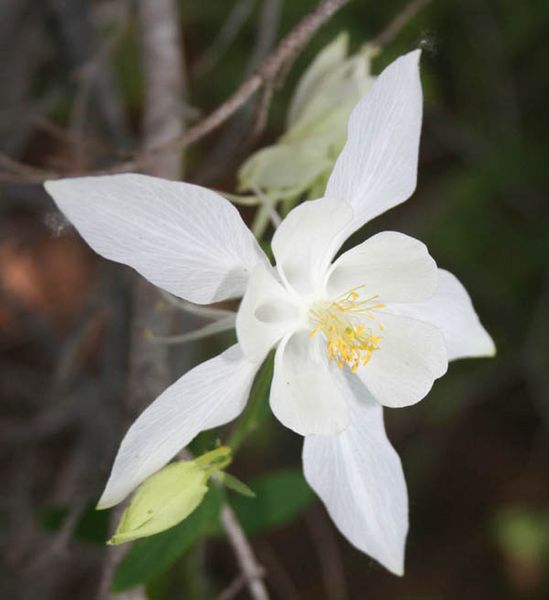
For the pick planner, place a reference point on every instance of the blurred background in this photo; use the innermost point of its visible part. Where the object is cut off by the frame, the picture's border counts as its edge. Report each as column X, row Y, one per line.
column 474, row 452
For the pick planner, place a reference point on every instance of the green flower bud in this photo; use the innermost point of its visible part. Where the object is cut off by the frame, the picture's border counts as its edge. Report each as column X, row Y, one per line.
column 162, row 501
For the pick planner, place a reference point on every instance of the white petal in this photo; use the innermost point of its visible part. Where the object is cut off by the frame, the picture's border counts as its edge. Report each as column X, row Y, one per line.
column 267, row 313
column 452, row 311
column 377, row 168
column 358, row 476
column 181, row 237
column 211, row 394
column 394, row 266
column 307, row 240
column 308, row 393
column 411, row 356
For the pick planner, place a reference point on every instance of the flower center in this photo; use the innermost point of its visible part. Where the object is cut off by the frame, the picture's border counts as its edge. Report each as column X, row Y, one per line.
column 350, row 341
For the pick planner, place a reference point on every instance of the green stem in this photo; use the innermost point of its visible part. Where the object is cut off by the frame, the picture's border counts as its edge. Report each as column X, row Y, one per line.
column 257, row 405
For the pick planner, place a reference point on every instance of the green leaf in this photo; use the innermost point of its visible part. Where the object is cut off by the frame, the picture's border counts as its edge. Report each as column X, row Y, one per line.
column 258, row 406
column 280, row 497
column 150, row 557
column 234, row 484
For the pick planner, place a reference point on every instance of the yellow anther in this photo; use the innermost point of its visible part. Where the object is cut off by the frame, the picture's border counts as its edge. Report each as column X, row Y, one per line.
column 349, row 341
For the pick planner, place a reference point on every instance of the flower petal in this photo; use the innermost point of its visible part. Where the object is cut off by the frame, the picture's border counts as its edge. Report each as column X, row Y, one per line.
column 308, row 394
column 377, row 168
column 411, row 356
column 358, row 476
column 267, row 313
column 307, row 240
column 394, row 266
column 451, row 310
column 181, row 237
column 210, row 395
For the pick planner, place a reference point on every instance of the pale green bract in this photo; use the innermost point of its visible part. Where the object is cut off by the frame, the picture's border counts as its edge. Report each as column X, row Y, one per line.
column 316, row 130
column 162, row 501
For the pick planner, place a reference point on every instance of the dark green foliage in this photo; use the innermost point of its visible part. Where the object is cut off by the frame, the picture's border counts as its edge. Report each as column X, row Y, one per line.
column 280, row 497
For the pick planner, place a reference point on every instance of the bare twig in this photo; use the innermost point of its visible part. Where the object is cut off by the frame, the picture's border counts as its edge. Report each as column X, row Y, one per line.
column 396, row 25
column 80, row 44
column 164, row 84
column 88, row 74
column 234, row 588
column 239, row 14
column 262, row 112
column 251, row 570
column 19, row 171
column 234, row 143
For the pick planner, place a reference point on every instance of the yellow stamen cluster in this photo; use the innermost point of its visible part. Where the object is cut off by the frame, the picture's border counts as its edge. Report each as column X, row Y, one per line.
column 349, row 341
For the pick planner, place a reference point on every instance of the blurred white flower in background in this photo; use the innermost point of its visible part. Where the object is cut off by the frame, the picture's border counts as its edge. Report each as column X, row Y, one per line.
column 373, row 328
column 301, row 160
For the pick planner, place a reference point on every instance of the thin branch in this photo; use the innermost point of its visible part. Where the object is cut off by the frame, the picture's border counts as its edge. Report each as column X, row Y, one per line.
column 233, row 589
column 21, row 172
column 398, row 23
column 236, row 19
column 249, row 566
column 162, row 51
column 262, row 112
column 234, row 143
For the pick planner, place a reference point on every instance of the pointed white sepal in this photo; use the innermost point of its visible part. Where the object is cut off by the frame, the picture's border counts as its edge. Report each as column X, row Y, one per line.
column 212, row 394
column 184, row 238
column 359, row 478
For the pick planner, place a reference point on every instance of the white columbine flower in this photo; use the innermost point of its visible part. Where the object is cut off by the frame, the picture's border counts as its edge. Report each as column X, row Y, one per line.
column 373, row 328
